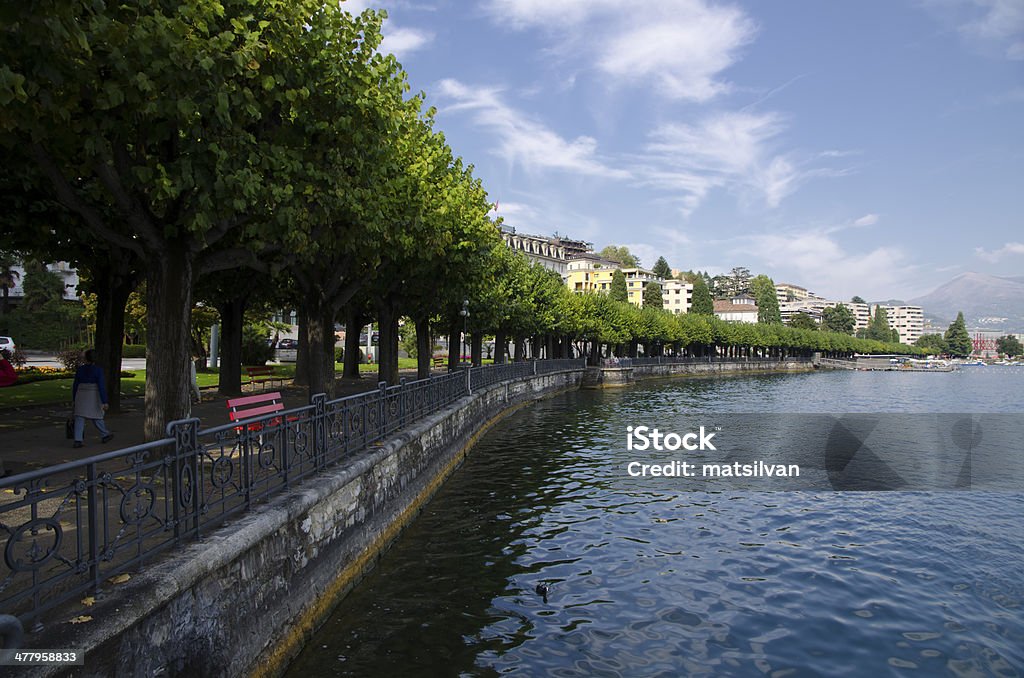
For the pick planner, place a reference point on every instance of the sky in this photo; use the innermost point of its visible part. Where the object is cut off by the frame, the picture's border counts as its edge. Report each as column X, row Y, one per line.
column 871, row 148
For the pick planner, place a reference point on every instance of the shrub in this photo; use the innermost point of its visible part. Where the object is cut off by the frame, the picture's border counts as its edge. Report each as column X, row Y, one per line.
column 339, row 354
column 17, row 358
column 133, row 351
column 70, row 358
column 256, row 350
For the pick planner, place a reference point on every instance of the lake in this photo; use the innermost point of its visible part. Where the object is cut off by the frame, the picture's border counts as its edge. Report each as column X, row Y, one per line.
column 543, row 556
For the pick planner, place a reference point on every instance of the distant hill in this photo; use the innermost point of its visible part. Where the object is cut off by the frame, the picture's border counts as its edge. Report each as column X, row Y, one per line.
column 987, row 301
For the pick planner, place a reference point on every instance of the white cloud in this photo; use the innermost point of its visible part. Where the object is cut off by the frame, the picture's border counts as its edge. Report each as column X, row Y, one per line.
column 680, row 46
column 818, row 261
column 866, row 220
column 735, row 150
column 523, row 140
column 1009, row 249
column 404, row 41
column 991, row 25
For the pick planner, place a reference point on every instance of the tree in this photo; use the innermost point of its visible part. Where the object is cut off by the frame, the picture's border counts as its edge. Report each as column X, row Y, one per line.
column 617, row 290
column 957, row 338
column 620, row 254
column 662, row 269
column 763, row 288
column 838, row 318
column 878, row 327
column 1009, row 346
column 740, row 280
column 932, row 343
column 857, row 300
column 803, row 321
column 652, row 296
column 703, row 304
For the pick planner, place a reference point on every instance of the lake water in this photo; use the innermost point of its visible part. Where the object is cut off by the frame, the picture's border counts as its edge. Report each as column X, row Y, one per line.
column 542, row 556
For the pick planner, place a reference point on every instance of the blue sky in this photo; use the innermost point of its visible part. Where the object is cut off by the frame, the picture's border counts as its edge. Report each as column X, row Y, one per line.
column 870, row 148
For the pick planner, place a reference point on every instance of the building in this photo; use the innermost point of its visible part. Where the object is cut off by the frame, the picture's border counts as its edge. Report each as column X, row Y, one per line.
column 907, row 320
column 739, row 309
column 677, row 296
column 984, row 342
column 62, row 268
column 590, row 273
column 861, row 314
column 552, row 253
column 787, row 292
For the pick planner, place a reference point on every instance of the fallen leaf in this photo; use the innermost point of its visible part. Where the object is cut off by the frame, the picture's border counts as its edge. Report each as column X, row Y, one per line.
column 88, row 601
column 81, row 620
column 120, row 579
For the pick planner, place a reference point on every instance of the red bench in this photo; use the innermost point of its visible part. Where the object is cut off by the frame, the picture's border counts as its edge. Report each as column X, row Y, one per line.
column 248, row 407
column 262, row 375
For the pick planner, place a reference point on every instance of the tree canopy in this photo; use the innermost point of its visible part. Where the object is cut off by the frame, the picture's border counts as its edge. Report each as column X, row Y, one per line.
column 957, row 338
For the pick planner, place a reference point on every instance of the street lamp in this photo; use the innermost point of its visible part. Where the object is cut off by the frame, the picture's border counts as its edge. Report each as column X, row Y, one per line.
column 465, row 324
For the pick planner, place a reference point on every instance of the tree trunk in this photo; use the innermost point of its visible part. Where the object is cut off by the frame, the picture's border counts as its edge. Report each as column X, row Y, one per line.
column 477, row 350
column 500, row 347
column 113, row 288
column 353, row 326
column 424, row 349
column 168, row 319
column 232, row 312
column 320, row 332
column 520, row 349
column 387, row 348
column 302, row 352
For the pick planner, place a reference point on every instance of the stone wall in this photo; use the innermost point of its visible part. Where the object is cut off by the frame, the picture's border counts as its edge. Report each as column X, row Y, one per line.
column 615, row 377
column 245, row 599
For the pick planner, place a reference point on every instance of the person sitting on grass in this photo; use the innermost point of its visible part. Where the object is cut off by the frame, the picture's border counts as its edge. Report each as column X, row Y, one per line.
column 89, row 393
column 7, row 374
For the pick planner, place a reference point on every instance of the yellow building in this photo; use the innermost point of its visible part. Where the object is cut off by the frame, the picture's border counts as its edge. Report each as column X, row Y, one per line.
column 591, row 273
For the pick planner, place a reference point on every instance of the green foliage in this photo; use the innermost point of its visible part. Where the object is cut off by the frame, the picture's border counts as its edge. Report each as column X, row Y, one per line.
column 857, row 300
column 767, row 302
column 932, row 343
column 652, row 296
column 803, row 321
column 621, row 255
column 407, row 339
column 256, row 349
column 878, row 327
column 662, row 269
column 703, row 304
column 133, row 351
column 957, row 338
column 47, row 329
column 1009, row 346
column 618, row 291
column 838, row 318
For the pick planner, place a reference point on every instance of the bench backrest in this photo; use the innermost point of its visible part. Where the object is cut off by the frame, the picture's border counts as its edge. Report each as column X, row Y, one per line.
column 259, row 371
column 247, row 407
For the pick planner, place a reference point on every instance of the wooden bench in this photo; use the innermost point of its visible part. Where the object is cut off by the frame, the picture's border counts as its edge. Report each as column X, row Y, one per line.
column 248, row 407
column 262, row 375
column 439, row 362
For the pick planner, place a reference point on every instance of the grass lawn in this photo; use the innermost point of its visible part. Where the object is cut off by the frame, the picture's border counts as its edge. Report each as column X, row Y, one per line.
column 57, row 391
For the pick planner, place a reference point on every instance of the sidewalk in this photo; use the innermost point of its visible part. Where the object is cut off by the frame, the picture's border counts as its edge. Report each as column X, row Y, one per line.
column 33, row 437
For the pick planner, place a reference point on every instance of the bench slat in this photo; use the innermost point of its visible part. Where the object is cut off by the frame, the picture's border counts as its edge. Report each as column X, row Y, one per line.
column 253, row 399
column 255, row 412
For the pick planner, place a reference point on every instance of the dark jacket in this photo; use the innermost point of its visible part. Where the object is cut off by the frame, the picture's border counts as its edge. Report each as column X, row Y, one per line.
column 90, row 374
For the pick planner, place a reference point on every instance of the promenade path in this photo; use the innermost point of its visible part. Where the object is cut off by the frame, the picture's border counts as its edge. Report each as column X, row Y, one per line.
column 33, row 437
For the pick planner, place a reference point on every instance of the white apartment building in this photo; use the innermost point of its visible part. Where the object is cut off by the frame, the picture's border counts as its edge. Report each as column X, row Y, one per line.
column 907, row 320
column 677, row 296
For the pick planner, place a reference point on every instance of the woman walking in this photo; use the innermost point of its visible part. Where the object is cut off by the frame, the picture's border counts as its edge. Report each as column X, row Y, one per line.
column 90, row 396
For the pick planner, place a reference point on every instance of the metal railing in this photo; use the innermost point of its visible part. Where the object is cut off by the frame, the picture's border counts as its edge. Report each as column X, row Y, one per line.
column 71, row 528
column 695, row 360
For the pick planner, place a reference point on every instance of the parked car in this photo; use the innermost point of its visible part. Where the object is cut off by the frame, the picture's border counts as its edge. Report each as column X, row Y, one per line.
column 288, row 343
column 7, row 344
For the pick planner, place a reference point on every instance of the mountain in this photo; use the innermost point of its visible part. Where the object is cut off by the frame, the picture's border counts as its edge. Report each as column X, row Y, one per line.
column 987, row 301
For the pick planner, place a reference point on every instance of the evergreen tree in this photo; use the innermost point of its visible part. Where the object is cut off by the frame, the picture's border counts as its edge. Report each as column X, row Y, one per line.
column 878, row 327
column 767, row 301
column 652, row 295
column 702, row 301
column 662, row 269
column 838, row 318
column 618, row 291
column 857, row 300
column 957, row 338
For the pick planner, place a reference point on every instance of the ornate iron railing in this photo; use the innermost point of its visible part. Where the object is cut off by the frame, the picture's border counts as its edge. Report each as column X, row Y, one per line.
column 69, row 529
column 671, row 360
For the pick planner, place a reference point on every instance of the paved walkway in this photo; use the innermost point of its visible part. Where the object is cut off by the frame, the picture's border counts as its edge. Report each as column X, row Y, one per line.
column 33, row 437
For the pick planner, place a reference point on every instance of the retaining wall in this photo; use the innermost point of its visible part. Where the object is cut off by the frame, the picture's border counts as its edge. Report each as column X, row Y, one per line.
column 245, row 599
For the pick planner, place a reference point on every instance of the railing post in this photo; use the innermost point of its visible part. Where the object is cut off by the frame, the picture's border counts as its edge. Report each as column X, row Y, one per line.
column 469, row 381
column 94, row 528
column 319, row 426
column 187, row 482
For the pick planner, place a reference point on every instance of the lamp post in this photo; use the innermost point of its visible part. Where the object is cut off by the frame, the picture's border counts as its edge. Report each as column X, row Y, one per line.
column 465, row 324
